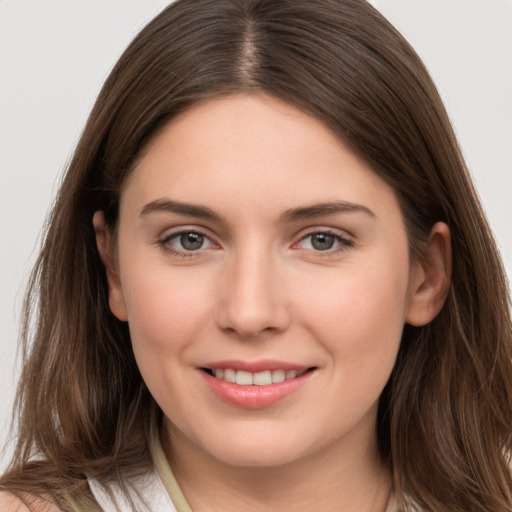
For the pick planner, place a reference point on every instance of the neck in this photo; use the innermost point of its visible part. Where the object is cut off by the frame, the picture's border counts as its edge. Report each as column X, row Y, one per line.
column 345, row 476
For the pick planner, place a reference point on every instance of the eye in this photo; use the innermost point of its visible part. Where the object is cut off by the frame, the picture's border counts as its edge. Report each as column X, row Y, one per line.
column 324, row 241
column 186, row 242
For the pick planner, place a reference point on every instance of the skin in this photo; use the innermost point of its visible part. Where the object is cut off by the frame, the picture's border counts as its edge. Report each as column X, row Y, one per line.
column 11, row 503
column 258, row 289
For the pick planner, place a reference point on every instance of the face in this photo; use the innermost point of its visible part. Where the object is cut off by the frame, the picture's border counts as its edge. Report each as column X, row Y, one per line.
column 264, row 272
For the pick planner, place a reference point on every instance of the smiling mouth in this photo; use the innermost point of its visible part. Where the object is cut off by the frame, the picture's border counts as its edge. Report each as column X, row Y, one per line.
column 264, row 378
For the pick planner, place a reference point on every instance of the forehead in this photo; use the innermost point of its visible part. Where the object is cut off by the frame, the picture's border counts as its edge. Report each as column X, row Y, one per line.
column 233, row 150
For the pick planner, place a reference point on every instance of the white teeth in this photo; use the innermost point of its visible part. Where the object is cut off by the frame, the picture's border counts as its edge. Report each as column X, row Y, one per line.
column 278, row 375
column 229, row 375
column 265, row 378
column 243, row 378
column 262, row 378
column 291, row 374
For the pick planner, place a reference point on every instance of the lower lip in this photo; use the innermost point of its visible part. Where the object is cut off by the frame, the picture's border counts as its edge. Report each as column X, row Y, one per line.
column 254, row 397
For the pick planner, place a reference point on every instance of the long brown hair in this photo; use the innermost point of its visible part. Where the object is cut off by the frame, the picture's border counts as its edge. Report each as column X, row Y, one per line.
column 445, row 416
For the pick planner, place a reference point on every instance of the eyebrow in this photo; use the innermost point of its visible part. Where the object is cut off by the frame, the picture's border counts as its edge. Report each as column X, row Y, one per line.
column 291, row 215
column 322, row 209
column 169, row 206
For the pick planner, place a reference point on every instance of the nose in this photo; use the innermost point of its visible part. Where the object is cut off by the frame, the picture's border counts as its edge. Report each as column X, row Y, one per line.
column 252, row 297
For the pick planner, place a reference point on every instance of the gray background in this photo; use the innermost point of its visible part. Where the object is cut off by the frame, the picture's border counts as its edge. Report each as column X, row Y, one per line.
column 55, row 54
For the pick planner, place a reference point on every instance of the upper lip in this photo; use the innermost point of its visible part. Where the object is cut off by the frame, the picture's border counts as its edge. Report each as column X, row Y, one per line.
column 255, row 366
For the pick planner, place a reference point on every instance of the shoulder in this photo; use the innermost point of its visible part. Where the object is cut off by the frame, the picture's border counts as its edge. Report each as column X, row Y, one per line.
column 11, row 503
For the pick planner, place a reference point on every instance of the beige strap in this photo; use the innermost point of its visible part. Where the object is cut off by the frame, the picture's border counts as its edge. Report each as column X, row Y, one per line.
column 166, row 475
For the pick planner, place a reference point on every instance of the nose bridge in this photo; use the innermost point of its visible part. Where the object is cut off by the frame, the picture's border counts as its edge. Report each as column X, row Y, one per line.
column 252, row 298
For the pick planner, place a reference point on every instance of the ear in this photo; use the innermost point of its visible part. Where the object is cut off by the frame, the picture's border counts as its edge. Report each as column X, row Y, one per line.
column 430, row 278
column 103, row 242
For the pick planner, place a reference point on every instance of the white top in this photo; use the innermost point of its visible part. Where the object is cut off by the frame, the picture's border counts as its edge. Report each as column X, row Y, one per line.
column 147, row 493
column 156, row 491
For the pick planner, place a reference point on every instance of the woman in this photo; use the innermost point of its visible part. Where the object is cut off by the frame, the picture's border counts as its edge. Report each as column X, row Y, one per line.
column 267, row 282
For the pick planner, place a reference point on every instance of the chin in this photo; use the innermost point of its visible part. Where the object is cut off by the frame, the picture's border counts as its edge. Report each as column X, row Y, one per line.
column 257, row 458
column 251, row 452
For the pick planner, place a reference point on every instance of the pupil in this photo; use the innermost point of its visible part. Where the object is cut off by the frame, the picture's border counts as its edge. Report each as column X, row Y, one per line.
column 192, row 241
column 322, row 241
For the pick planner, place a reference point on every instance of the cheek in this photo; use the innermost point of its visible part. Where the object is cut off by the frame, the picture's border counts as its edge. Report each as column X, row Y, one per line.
column 375, row 308
column 359, row 317
column 164, row 309
column 165, row 317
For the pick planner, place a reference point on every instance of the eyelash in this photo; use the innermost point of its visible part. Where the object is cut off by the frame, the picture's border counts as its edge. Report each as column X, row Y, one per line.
column 343, row 243
column 165, row 243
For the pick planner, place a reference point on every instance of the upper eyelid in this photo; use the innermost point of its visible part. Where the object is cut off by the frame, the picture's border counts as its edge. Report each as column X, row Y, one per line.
column 343, row 239
column 164, row 243
column 164, row 240
column 175, row 234
column 311, row 230
column 172, row 232
column 344, row 244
